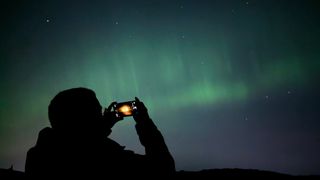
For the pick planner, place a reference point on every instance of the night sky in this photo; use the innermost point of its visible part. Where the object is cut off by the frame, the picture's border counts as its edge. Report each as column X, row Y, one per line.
column 230, row 84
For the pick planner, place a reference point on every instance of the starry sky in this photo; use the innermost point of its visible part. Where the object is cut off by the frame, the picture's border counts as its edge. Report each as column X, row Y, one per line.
column 230, row 84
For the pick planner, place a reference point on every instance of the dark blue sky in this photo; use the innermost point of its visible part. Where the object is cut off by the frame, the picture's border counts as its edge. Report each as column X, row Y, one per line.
column 231, row 84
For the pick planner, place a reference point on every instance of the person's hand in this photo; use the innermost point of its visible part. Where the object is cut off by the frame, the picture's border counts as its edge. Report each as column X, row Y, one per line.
column 142, row 112
column 110, row 116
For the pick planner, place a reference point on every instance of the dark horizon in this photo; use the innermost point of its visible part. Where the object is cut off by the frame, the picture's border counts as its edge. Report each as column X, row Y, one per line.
column 230, row 84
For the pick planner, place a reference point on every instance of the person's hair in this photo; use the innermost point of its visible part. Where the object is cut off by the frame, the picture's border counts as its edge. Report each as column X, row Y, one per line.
column 69, row 107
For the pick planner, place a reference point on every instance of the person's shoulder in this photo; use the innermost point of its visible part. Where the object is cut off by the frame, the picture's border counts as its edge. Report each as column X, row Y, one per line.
column 45, row 131
column 45, row 135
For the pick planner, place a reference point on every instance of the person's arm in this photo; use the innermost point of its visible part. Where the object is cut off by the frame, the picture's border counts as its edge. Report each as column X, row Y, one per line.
column 150, row 137
column 109, row 118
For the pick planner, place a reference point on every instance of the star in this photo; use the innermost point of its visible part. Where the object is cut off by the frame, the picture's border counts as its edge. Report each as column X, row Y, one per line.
column 289, row 92
column 246, row 118
column 267, row 97
column 247, row 3
column 116, row 22
column 182, row 36
column 47, row 20
column 181, row 7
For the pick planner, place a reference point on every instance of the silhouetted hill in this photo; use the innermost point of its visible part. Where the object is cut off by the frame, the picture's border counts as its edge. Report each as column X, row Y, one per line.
column 203, row 174
column 238, row 173
column 211, row 173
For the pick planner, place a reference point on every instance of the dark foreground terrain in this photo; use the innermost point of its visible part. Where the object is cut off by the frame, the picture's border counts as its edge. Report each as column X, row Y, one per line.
column 203, row 174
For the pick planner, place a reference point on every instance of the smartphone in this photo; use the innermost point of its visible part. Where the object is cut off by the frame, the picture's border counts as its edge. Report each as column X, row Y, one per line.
column 124, row 109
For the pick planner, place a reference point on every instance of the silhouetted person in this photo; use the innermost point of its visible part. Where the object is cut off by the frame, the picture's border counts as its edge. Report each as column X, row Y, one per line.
column 77, row 145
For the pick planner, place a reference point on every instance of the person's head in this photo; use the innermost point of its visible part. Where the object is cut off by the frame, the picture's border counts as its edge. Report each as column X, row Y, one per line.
column 76, row 110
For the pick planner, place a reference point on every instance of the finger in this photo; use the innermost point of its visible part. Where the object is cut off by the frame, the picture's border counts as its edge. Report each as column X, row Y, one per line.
column 140, row 103
column 111, row 105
